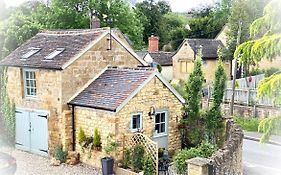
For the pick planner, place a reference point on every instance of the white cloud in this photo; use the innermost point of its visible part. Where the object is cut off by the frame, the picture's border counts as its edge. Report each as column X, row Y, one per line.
column 185, row 5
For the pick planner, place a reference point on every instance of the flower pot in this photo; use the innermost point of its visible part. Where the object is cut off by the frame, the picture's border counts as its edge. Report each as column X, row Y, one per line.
column 107, row 165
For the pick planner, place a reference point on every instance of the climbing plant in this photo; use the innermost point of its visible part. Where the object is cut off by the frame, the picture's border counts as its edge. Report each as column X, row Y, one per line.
column 193, row 91
column 7, row 109
column 268, row 46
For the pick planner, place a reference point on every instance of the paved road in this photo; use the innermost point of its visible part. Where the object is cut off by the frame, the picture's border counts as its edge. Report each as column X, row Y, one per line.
column 261, row 159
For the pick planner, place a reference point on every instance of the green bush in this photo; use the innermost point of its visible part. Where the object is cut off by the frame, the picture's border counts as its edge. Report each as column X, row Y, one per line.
column 60, row 154
column 127, row 158
column 148, row 168
column 248, row 124
column 81, row 135
column 96, row 138
column 137, row 157
column 203, row 150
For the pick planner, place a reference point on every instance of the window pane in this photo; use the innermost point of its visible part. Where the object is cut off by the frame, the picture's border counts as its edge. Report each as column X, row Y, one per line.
column 136, row 122
column 163, row 117
column 157, row 128
column 157, row 118
column 27, row 83
column 27, row 75
column 162, row 127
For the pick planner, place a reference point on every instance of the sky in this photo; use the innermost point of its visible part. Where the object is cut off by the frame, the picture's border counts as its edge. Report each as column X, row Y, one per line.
column 177, row 5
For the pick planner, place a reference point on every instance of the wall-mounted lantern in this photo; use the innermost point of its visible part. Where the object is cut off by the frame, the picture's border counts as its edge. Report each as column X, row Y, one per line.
column 151, row 112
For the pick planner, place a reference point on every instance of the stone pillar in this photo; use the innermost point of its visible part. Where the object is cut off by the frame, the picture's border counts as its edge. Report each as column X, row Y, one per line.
column 66, row 130
column 198, row 166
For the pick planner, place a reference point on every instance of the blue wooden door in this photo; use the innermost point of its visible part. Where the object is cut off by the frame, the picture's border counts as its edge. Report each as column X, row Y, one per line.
column 22, row 130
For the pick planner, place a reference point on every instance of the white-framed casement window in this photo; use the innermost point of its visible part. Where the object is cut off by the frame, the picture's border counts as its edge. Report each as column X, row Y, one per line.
column 136, row 122
column 29, row 83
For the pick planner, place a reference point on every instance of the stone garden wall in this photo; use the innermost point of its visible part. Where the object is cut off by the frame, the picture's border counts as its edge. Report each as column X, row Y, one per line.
column 227, row 160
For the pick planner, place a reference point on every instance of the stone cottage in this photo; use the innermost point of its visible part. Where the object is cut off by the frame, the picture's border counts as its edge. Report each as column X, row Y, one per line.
column 183, row 59
column 47, row 70
column 122, row 101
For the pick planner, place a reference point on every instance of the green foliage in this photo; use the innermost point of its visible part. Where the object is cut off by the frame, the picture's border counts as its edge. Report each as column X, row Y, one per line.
column 60, row 154
column 7, row 110
column 127, row 158
column 96, row 138
column 111, row 144
column 159, row 68
column 270, row 126
column 214, row 121
column 137, row 157
column 203, row 150
column 193, row 91
column 247, row 124
column 81, row 135
column 148, row 168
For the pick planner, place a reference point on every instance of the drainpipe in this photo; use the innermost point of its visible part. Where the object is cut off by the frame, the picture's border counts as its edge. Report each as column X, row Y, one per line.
column 73, row 128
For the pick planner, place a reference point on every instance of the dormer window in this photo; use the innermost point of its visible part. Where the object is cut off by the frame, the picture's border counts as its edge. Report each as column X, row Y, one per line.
column 31, row 52
column 54, row 53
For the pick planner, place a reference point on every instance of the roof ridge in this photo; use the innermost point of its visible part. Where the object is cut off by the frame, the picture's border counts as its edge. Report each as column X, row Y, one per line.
column 73, row 31
column 121, row 68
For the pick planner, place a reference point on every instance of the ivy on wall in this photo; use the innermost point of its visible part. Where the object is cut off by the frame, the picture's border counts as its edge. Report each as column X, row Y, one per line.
column 7, row 110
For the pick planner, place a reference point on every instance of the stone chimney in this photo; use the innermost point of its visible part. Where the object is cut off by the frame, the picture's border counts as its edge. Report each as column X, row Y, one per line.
column 95, row 23
column 153, row 44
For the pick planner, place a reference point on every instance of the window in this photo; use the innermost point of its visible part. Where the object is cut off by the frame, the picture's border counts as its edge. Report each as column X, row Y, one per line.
column 32, row 51
column 54, row 53
column 186, row 66
column 29, row 83
column 136, row 122
column 160, row 122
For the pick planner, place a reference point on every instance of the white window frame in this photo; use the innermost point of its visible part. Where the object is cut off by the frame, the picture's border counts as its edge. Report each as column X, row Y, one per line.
column 53, row 54
column 30, row 79
column 32, row 51
column 131, row 125
column 166, row 124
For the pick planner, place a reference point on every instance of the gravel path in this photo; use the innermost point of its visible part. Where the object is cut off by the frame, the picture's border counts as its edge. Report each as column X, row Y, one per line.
column 31, row 164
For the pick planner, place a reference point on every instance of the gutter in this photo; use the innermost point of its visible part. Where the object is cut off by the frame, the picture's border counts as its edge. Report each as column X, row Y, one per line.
column 73, row 128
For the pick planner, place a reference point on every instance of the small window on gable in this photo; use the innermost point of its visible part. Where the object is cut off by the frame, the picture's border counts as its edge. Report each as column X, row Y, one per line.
column 31, row 52
column 136, row 122
column 54, row 53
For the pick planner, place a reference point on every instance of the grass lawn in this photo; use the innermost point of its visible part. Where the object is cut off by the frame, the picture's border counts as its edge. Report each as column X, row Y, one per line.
column 248, row 124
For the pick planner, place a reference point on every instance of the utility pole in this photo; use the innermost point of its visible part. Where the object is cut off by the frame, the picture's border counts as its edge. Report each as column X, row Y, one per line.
column 235, row 68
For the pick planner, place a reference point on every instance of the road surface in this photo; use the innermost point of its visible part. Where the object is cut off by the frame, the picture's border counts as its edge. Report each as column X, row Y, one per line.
column 261, row 159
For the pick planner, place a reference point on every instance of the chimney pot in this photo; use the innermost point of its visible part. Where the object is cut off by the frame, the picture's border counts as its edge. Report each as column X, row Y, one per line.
column 153, row 44
column 95, row 22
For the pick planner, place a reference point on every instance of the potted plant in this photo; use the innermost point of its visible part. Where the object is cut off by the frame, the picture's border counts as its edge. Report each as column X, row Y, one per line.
column 97, row 140
column 108, row 161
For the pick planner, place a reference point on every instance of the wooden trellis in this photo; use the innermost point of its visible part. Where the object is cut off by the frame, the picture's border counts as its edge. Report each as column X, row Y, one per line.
column 150, row 147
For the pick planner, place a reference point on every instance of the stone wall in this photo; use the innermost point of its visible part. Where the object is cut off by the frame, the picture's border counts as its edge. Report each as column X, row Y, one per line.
column 48, row 97
column 227, row 160
column 154, row 94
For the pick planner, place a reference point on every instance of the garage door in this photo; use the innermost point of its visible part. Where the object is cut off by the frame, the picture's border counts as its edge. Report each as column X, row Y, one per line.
column 32, row 131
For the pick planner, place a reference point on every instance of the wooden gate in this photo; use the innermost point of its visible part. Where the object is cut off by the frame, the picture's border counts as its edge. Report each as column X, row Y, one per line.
column 150, row 147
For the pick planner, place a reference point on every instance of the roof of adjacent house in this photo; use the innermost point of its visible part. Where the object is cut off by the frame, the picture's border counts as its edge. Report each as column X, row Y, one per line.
column 162, row 58
column 209, row 47
column 114, row 87
column 73, row 43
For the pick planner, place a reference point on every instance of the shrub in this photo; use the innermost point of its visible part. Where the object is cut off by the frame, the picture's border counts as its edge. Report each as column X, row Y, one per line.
column 137, row 157
column 81, row 135
column 248, row 124
column 96, row 138
column 60, row 154
column 148, row 168
column 203, row 150
column 127, row 158
column 111, row 144
column 159, row 67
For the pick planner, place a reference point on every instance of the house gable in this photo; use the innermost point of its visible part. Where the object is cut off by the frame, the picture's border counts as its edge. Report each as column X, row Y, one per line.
column 184, row 52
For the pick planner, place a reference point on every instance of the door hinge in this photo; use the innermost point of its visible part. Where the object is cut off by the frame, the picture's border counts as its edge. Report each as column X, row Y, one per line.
column 18, row 112
column 42, row 150
column 18, row 143
column 44, row 116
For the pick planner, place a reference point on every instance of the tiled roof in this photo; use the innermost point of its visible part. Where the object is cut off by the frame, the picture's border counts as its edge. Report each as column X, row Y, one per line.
column 73, row 42
column 112, row 88
column 163, row 58
column 209, row 47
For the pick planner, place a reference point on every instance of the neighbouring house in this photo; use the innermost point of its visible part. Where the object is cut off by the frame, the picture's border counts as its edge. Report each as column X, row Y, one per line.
column 122, row 101
column 155, row 57
column 183, row 59
column 47, row 70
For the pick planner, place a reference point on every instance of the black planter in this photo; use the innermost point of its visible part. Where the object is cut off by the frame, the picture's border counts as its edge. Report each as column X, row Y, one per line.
column 107, row 165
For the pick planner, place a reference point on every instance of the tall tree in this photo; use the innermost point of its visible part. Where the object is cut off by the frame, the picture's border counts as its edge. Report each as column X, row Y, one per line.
column 266, row 47
column 154, row 13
